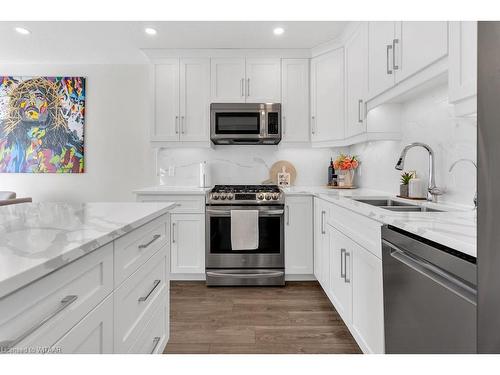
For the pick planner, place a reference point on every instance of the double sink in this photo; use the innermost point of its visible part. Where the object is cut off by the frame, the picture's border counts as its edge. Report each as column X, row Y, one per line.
column 393, row 205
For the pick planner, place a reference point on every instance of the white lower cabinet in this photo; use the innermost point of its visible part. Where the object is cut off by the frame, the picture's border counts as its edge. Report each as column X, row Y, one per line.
column 299, row 235
column 187, row 234
column 92, row 335
column 350, row 274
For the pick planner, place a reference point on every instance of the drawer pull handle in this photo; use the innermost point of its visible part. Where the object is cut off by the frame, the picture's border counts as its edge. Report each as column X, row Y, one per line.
column 5, row 346
column 156, row 341
column 156, row 283
column 155, row 237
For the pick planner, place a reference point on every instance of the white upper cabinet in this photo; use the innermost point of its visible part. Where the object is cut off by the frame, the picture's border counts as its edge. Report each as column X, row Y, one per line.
column 238, row 80
column 299, row 235
column 418, row 44
column 263, row 80
column 356, row 63
column 295, row 100
column 182, row 92
column 166, row 122
column 462, row 74
column 194, row 99
column 228, row 80
column 327, row 96
column 380, row 54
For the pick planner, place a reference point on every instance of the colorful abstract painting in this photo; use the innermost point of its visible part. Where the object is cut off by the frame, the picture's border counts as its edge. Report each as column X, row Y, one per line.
column 42, row 124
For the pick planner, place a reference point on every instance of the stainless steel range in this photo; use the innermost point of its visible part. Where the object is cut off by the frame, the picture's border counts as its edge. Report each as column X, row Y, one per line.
column 262, row 266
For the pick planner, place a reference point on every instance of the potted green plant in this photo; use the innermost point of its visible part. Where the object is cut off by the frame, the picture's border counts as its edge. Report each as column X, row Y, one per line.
column 405, row 180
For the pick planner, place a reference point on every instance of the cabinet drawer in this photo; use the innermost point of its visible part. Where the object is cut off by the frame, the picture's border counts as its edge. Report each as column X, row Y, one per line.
column 134, row 298
column 362, row 230
column 92, row 335
column 41, row 313
column 135, row 248
column 153, row 338
column 186, row 204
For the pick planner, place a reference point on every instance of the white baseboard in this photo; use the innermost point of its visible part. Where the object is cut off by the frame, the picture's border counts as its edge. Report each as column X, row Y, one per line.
column 300, row 277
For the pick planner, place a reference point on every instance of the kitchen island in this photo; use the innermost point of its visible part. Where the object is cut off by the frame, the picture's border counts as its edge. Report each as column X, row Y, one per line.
column 84, row 278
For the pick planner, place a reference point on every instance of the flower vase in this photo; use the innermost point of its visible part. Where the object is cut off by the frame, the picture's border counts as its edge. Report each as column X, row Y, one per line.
column 348, row 178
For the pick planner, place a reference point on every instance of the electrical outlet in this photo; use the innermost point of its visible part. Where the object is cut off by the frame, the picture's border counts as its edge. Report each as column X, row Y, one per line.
column 171, row 171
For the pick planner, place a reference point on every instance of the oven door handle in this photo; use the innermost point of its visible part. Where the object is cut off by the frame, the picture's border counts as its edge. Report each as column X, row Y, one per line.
column 228, row 212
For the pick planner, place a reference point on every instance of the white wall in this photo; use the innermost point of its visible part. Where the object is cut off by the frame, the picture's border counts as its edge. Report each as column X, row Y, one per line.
column 244, row 164
column 429, row 119
column 118, row 157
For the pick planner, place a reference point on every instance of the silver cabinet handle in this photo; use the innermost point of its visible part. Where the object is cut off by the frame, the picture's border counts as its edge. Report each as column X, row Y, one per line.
column 183, row 124
column 287, row 215
column 176, row 124
column 242, row 84
column 248, row 86
column 347, row 254
column 156, row 341
column 389, row 48
column 313, row 124
column 155, row 237
column 5, row 346
column 342, row 267
column 394, row 42
column 323, row 222
column 283, row 125
column 173, row 232
column 360, row 119
column 155, row 284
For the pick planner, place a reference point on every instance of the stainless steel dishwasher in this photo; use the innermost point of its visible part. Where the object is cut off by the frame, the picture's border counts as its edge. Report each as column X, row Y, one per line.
column 430, row 296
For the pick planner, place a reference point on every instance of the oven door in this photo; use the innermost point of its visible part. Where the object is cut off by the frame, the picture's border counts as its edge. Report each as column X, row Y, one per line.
column 269, row 254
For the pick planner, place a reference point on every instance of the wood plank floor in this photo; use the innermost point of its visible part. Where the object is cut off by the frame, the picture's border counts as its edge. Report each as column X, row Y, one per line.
column 297, row 318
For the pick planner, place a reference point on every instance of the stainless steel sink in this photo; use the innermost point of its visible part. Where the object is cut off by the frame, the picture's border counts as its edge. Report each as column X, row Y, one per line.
column 393, row 205
column 383, row 202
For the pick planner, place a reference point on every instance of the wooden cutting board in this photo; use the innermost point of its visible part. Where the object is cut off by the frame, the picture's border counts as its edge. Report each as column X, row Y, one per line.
column 278, row 167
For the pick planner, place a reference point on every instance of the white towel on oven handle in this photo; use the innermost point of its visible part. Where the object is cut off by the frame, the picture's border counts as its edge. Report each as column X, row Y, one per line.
column 244, row 229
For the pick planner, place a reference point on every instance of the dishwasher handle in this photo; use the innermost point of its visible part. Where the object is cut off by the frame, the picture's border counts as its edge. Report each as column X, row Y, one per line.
column 440, row 276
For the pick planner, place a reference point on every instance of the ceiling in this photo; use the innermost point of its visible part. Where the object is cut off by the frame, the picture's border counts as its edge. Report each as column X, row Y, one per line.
column 121, row 42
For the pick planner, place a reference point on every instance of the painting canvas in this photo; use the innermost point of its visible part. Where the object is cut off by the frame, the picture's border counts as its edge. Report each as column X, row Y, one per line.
column 42, row 124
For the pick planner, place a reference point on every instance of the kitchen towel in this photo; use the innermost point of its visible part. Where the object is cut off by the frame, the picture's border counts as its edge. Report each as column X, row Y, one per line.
column 244, row 229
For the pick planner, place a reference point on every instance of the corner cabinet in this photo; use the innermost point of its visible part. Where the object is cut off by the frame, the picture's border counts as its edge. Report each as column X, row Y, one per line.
column 299, row 235
column 462, row 74
column 182, row 98
column 327, row 97
column 295, row 100
column 240, row 80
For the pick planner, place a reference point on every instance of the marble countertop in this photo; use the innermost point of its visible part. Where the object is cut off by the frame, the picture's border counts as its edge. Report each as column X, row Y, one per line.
column 455, row 228
column 164, row 189
column 38, row 238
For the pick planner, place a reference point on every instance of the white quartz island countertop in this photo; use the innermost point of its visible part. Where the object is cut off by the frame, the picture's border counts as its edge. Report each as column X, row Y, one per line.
column 39, row 238
column 455, row 228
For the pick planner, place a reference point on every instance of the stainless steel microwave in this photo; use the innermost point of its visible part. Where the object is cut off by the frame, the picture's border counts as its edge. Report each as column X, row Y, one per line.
column 245, row 123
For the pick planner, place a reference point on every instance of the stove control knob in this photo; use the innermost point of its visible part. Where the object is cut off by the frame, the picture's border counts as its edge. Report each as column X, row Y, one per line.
column 223, row 196
column 268, row 196
column 215, row 196
column 260, row 197
column 276, row 196
column 230, row 196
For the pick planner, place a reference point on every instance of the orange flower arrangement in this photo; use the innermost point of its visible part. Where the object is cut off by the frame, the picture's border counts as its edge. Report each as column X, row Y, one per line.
column 346, row 162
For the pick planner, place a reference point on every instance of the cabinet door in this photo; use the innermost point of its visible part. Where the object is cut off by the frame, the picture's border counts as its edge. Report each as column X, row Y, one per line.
column 340, row 285
column 227, row 80
column 327, row 73
column 462, row 79
column 299, row 235
column 188, row 243
column 418, row 44
column 319, row 225
column 263, row 81
column 194, row 99
column 356, row 62
column 166, row 124
column 295, row 100
column 367, row 299
column 380, row 73
column 92, row 335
